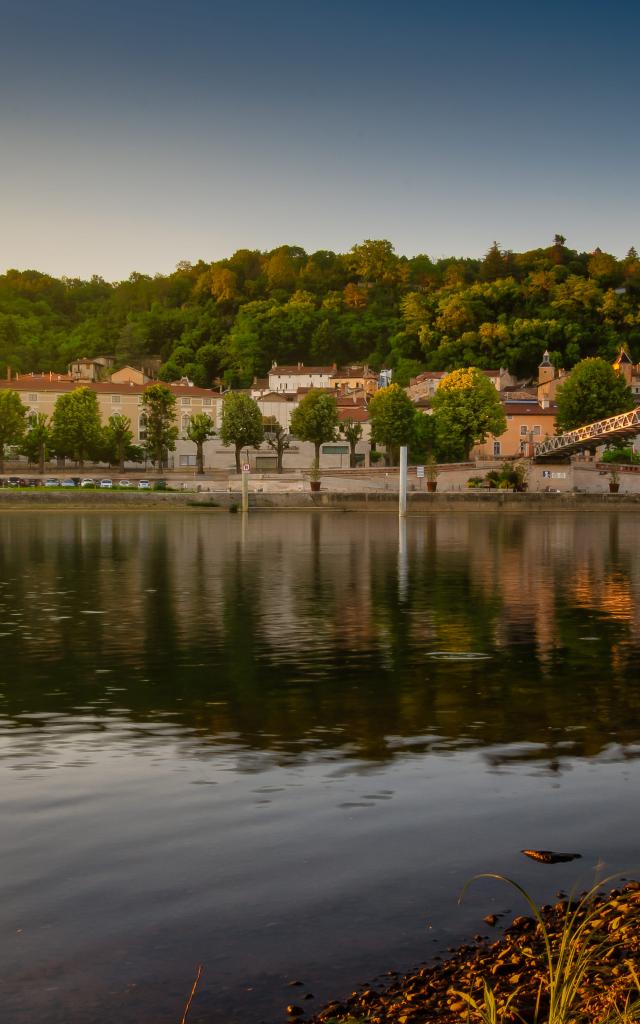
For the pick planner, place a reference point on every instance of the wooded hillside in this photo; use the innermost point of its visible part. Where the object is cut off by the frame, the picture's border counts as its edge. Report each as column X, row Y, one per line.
column 231, row 318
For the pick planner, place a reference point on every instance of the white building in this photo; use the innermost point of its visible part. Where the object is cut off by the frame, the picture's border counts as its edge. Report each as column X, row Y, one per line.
column 290, row 378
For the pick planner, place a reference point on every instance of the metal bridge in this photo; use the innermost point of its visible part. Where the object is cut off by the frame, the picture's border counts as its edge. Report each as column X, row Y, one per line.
column 615, row 428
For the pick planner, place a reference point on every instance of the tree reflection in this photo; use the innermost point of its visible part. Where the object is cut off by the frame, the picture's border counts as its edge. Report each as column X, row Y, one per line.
column 309, row 635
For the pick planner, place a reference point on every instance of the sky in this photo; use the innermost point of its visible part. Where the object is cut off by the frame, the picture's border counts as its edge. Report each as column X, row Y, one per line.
column 135, row 134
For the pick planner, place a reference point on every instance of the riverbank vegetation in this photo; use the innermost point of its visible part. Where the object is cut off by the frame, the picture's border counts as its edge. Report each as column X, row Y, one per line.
column 230, row 319
column 576, row 962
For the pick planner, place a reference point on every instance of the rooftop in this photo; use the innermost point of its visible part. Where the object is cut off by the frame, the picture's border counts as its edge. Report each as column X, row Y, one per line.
column 63, row 383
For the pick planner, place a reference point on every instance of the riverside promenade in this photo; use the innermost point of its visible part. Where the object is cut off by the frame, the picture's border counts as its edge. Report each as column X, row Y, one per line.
column 580, row 484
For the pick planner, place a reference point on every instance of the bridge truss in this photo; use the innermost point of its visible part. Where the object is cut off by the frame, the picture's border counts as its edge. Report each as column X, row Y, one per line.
column 615, row 428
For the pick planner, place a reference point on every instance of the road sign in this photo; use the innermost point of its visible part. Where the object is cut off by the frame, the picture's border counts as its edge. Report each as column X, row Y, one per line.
column 420, row 471
column 246, row 468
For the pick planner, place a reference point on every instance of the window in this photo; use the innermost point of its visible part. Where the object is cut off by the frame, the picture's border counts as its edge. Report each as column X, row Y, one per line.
column 33, row 398
column 185, row 401
column 536, row 430
column 335, row 449
column 185, row 423
column 523, row 447
column 115, row 399
column 496, row 448
column 523, row 430
column 206, row 401
column 142, row 428
column 187, row 460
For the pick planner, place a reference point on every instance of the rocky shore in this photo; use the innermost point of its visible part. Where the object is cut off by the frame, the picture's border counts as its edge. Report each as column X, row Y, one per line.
column 574, row 961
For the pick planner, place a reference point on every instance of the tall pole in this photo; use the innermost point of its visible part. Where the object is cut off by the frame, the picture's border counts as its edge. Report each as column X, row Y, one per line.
column 402, row 497
column 245, row 491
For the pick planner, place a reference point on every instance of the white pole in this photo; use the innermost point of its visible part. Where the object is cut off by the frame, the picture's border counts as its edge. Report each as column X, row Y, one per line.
column 402, row 502
column 403, row 561
column 245, row 492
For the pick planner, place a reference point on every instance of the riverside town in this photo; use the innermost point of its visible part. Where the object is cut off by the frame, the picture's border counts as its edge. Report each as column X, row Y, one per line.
column 99, row 416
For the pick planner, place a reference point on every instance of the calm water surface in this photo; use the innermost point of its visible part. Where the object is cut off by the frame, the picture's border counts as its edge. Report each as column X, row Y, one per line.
column 261, row 746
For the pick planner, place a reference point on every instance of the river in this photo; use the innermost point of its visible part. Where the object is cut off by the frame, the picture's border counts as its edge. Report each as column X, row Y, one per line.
column 281, row 747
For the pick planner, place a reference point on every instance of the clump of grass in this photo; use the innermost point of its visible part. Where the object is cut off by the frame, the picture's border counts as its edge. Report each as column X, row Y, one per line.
column 575, row 957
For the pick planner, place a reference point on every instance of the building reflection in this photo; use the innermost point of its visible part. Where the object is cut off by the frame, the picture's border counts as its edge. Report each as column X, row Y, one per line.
column 300, row 635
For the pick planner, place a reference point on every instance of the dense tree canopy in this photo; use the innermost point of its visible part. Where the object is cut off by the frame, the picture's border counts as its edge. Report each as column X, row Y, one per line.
column 593, row 392
column 392, row 415
column 12, row 421
column 76, row 427
column 229, row 319
column 466, row 407
column 315, row 419
column 37, row 439
column 118, row 440
column 242, row 424
column 159, row 405
column 201, row 428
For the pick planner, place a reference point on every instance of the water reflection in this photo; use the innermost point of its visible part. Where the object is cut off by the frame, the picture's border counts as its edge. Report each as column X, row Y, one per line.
column 279, row 744
column 297, row 633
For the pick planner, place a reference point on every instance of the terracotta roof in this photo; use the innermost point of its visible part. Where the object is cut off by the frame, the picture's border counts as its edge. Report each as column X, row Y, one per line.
column 520, row 394
column 65, row 384
column 302, row 371
column 276, row 396
column 429, row 375
column 439, row 374
column 356, row 413
column 349, row 372
column 351, row 398
column 305, row 391
column 528, row 409
column 50, row 375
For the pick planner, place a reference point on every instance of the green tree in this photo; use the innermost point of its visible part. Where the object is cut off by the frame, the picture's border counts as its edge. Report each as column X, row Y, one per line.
column 241, row 423
column 200, row 429
column 118, row 437
column 277, row 438
column 466, row 407
column 352, row 432
column 12, row 421
column 423, row 443
column 494, row 264
column 374, row 260
column 159, row 406
column 593, row 391
column 37, row 440
column 77, row 431
column 392, row 416
column 315, row 419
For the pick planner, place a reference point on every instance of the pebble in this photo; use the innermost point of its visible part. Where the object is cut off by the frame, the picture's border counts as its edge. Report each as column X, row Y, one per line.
column 514, row 966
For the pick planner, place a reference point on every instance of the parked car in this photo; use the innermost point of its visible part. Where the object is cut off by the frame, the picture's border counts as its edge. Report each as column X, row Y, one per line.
column 106, row 482
column 144, row 485
column 52, row 481
column 16, row 481
column 68, row 482
column 124, row 483
column 87, row 482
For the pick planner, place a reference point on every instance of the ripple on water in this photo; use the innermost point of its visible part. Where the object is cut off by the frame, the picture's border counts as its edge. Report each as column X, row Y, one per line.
column 458, row 655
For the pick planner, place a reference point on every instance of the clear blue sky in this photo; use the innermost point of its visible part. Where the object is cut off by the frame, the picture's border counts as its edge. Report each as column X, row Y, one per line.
column 134, row 134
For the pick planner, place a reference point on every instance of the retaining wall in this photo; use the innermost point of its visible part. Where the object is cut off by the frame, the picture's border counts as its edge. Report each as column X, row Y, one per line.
column 373, row 501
